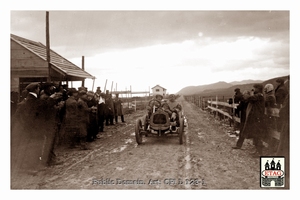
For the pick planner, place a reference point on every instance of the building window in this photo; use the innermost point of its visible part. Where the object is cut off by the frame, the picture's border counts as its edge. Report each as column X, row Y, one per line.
column 157, row 90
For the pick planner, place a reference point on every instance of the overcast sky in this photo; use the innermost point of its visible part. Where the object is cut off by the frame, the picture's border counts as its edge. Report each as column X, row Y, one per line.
column 174, row 49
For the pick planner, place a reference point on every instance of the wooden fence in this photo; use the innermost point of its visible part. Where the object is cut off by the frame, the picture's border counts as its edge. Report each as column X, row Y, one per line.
column 222, row 110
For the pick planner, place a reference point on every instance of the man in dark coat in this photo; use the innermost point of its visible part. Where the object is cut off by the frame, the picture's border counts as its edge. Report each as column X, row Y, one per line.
column 118, row 109
column 110, row 110
column 242, row 107
column 280, row 92
column 238, row 96
column 70, row 122
column 93, row 121
column 101, row 111
column 83, row 118
column 25, row 127
column 33, row 130
column 254, row 126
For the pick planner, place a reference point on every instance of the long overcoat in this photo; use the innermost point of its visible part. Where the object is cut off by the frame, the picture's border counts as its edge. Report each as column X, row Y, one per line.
column 254, row 123
column 110, row 110
column 118, row 107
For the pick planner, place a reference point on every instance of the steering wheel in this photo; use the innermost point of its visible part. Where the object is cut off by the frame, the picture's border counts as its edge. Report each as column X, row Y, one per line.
column 154, row 100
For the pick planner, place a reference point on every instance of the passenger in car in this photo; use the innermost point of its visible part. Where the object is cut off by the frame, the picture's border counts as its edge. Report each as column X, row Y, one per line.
column 173, row 108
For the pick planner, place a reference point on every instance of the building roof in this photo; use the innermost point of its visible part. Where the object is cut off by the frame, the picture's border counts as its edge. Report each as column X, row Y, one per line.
column 159, row 86
column 58, row 63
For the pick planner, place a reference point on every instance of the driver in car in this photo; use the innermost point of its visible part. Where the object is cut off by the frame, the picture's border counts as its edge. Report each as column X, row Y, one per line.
column 154, row 104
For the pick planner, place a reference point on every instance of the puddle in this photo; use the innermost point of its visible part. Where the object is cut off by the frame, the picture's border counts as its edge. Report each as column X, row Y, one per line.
column 128, row 141
column 120, row 168
column 119, row 149
column 187, row 159
column 200, row 135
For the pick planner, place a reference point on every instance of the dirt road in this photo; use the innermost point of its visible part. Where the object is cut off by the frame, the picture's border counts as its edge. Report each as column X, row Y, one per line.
column 115, row 161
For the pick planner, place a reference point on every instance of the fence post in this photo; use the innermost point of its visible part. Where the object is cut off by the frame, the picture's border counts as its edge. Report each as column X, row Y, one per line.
column 199, row 102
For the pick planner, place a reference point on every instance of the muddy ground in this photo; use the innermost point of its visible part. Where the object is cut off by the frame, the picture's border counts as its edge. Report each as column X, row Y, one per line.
column 204, row 161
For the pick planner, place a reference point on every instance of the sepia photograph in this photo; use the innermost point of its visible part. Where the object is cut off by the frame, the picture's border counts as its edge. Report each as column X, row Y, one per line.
column 150, row 99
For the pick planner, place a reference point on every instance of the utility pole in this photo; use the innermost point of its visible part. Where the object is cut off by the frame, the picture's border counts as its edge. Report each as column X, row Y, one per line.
column 48, row 46
column 82, row 66
column 105, row 86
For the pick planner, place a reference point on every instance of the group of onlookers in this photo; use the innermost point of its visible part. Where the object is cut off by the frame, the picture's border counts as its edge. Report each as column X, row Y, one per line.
column 262, row 111
column 63, row 115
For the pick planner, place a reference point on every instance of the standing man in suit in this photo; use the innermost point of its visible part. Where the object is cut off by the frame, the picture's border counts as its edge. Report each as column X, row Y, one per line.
column 118, row 109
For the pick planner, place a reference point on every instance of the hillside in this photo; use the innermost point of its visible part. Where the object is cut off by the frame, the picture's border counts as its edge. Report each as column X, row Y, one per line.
column 200, row 88
column 223, row 89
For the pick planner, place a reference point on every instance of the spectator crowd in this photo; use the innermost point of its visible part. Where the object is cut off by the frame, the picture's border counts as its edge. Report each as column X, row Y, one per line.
column 263, row 111
column 59, row 115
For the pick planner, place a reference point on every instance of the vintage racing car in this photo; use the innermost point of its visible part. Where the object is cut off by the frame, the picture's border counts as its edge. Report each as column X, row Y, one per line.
column 159, row 122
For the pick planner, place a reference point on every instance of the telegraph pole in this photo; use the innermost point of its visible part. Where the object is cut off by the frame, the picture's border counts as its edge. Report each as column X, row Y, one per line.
column 48, row 46
column 82, row 66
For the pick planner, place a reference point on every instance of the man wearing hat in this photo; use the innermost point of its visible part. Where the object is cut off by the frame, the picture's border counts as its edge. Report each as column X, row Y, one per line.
column 47, row 90
column 35, row 121
column 238, row 97
column 280, row 92
column 27, row 112
column 93, row 121
column 34, row 107
column 101, row 111
column 154, row 104
column 97, row 94
column 118, row 109
column 33, row 90
column 70, row 122
column 110, row 110
column 83, row 118
column 173, row 109
column 254, row 123
column 25, row 127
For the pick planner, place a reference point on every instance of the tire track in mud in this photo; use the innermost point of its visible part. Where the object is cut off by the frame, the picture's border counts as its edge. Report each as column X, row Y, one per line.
column 187, row 156
column 192, row 178
column 62, row 175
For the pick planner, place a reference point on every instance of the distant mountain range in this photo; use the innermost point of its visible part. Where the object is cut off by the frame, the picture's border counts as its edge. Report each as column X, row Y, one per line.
column 223, row 88
column 189, row 90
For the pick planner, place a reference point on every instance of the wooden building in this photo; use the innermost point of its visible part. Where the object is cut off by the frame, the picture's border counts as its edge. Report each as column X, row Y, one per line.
column 159, row 90
column 29, row 64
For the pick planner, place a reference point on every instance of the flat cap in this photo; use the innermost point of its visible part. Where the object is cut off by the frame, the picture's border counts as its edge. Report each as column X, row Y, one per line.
column 32, row 86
